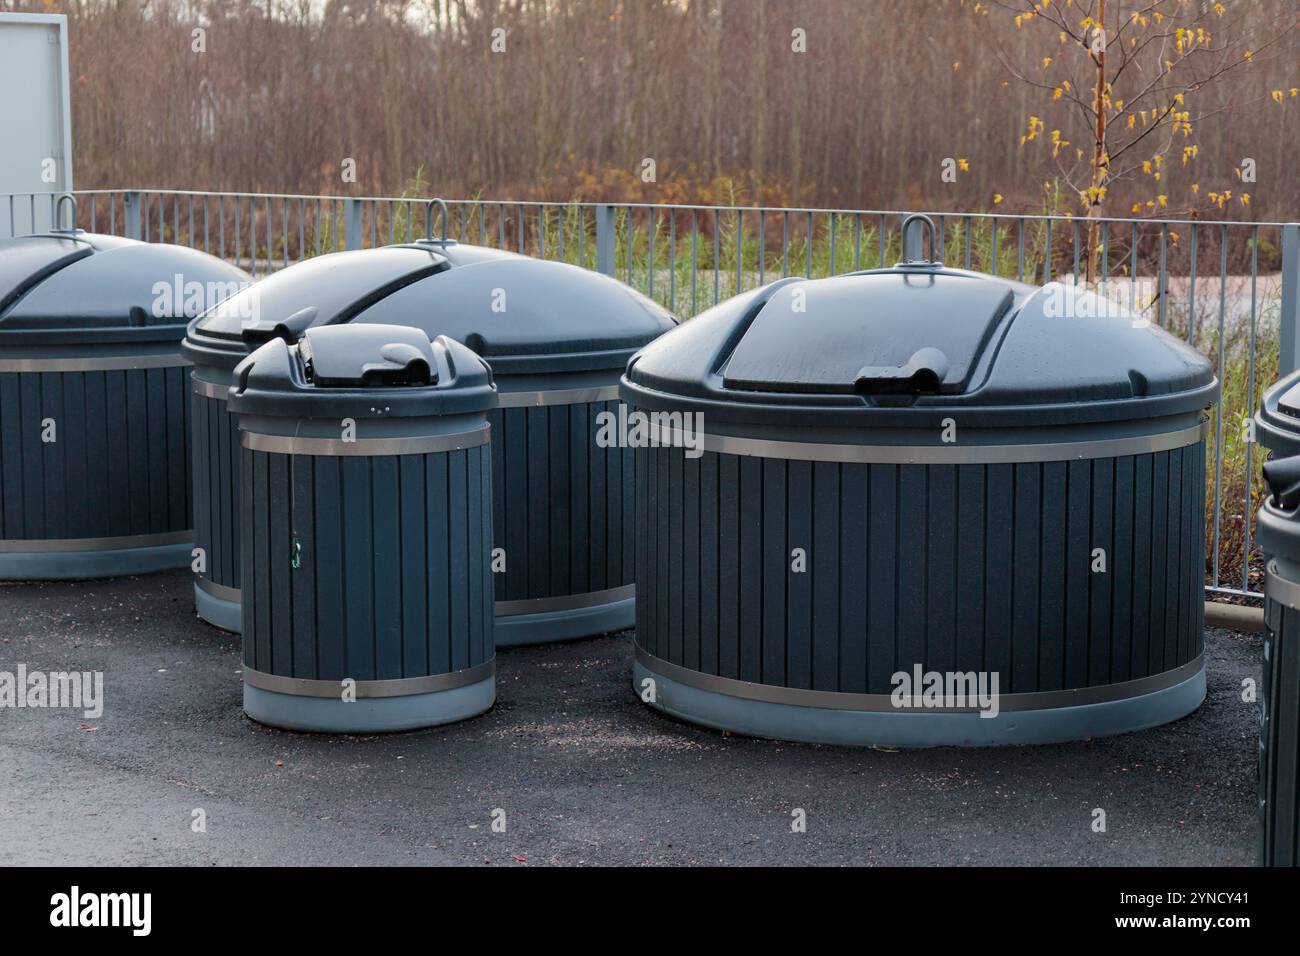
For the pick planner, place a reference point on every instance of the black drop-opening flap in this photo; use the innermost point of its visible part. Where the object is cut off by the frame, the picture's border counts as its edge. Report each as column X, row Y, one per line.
column 883, row 333
column 376, row 356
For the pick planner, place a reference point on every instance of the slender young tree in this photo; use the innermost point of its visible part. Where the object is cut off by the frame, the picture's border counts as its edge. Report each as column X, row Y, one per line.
column 1124, row 86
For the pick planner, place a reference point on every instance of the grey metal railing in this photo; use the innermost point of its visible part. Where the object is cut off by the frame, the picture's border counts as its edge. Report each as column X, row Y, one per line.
column 1206, row 279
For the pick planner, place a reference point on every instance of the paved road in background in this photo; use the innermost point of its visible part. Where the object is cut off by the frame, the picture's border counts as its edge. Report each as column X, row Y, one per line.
column 584, row 772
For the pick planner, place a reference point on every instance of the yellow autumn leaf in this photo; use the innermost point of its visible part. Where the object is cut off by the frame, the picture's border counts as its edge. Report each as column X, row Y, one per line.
column 1245, row 199
column 1047, row 61
column 1196, row 188
column 1277, row 96
column 997, row 198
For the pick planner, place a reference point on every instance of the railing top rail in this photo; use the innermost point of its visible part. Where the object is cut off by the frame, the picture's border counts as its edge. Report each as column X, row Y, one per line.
column 816, row 210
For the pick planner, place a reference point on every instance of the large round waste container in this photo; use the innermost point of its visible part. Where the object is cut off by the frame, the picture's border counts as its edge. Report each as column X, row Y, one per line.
column 94, row 416
column 366, row 530
column 557, row 338
column 1277, row 426
column 919, row 506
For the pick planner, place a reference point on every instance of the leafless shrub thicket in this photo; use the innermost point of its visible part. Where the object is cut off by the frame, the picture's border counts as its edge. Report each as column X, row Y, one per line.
column 586, row 89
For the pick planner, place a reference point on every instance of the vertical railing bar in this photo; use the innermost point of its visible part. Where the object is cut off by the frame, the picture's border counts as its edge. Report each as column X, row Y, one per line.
column 1250, row 407
column 740, row 248
column 1076, row 251
column 629, row 214
column 969, row 229
column 785, row 244
column 762, row 248
column 1218, row 415
column 1105, row 250
column 1020, row 250
column 1191, row 292
column 1162, row 282
column 523, row 250
column 1133, row 259
column 1047, row 254
column 694, row 236
column 650, row 282
column 239, row 248
column 832, row 244
column 808, row 244
column 880, row 240
column 672, row 260
column 302, row 230
column 993, row 246
column 716, row 256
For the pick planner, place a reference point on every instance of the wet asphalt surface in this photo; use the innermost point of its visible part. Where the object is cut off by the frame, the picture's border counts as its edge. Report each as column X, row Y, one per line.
column 584, row 772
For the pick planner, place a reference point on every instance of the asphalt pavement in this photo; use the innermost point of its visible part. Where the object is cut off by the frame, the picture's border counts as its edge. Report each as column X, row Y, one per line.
column 579, row 770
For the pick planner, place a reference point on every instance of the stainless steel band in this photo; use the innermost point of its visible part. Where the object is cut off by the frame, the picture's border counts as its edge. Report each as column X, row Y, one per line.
column 1280, row 589
column 882, row 703
column 567, row 602
column 101, row 363
column 219, row 591
column 209, row 389
column 956, row 454
column 564, row 396
column 367, row 447
column 118, row 543
column 397, row 687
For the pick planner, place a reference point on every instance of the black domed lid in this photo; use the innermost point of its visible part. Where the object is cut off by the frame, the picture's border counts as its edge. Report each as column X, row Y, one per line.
column 325, row 290
column 529, row 315
column 1277, row 424
column 343, row 370
column 523, row 314
column 910, row 343
column 1278, row 525
column 80, row 286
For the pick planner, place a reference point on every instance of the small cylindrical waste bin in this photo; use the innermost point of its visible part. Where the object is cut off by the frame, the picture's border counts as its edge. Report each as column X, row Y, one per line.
column 366, row 530
column 919, row 506
column 1277, row 426
column 557, row 338
column 94, row 415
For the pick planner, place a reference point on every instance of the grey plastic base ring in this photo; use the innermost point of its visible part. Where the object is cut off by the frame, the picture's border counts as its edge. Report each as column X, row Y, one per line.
column 218, row 611
column 855, row 728
column 545, row 627
column 368, row 715
column 84, row 564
